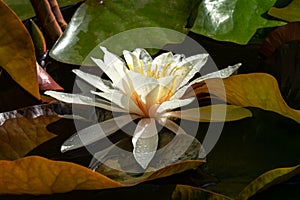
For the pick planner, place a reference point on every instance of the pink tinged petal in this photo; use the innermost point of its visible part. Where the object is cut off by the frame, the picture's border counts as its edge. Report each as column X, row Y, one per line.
column 175, row 103
column 46, row 82
column 224, row 73
column 99, row 83
column 145, row 141
column 84, row 100
column 121, row 100
column 197, row 62
column 96, row 132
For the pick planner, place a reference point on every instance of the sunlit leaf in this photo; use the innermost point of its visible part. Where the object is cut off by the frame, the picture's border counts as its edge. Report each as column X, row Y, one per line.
column 234, row 21
column 37, row 175
column 255, row 90
column 185, row 192
column 17, row 51
column 268, row 179
column 214, row 113
column 95, row 21
column 289, row 13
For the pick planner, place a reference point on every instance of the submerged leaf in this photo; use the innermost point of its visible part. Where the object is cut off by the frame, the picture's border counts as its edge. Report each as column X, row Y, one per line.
column 255, row 90
column 278, row 37
column 17, row 51
column 289, row 13
column 268, row 179
column 37, row 175
column 185, row 192
column 234, row 21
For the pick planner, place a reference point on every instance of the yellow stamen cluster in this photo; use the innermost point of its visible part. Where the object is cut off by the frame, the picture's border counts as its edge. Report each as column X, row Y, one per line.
column 155, row 73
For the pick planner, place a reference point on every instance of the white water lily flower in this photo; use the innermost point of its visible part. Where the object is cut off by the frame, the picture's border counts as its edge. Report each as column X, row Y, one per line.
column 143, row 88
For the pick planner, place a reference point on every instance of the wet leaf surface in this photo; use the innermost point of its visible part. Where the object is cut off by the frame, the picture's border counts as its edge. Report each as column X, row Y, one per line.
column 226, row 20
column 85, row 31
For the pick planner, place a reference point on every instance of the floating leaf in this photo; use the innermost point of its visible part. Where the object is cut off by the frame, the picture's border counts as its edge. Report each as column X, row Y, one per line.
column 185, row 192
column 95, row 21
column 214, row 113
column 24, row 129
column 268, row 179
column 37, row 175
column 234, row 21
column 255, row 90
column 20, row 135
column 250, row 147
column 17, row 51
column 289, row 13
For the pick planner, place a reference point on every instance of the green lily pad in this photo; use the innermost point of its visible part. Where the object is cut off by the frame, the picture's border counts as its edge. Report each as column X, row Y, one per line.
column 96, row 21
column 234, row 21
column 24, row 9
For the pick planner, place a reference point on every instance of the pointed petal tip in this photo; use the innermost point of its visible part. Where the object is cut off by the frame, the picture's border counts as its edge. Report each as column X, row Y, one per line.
column 104, row 49
column 65, row 148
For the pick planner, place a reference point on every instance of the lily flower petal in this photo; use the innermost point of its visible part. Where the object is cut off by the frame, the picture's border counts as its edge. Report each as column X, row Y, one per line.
column 213, row 113
column 145, row 141
column 96, row 132
column 173, row 104
column 197, row 62
column 120, row 100
column 95, row 81
column 114, row 62
column 224, row 73
column 143, row 56
column 84, row 100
